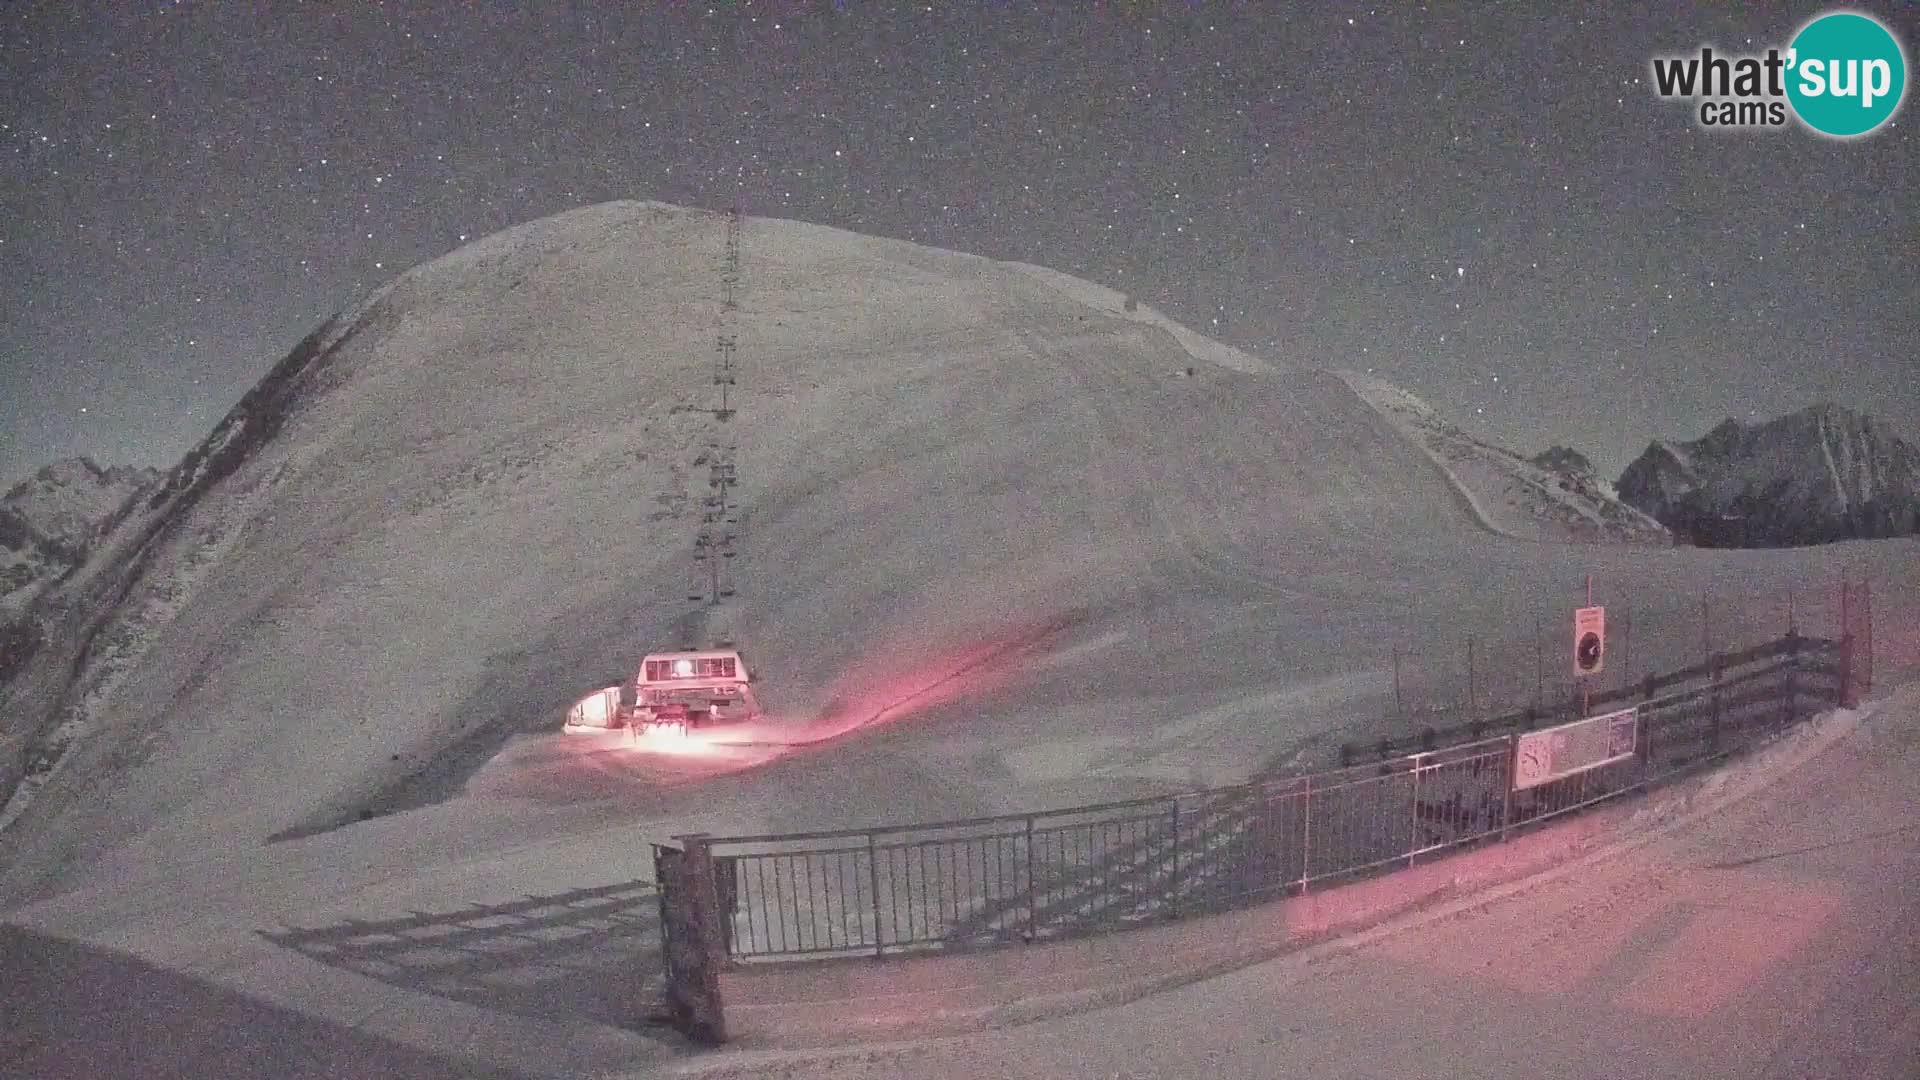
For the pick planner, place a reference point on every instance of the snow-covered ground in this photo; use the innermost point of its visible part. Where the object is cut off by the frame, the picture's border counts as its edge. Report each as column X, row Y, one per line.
column 1510, row 494
column 1763, row 926
column 1022, row 547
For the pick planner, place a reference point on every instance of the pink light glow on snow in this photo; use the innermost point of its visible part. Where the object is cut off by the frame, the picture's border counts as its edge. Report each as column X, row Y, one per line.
column 884, row 689
column 672, row 740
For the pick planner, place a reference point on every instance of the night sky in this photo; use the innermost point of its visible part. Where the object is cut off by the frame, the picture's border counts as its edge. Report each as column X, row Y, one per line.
column 1489, row 207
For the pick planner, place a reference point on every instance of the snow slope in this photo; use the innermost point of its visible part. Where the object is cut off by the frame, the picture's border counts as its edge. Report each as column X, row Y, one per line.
column 1773, row 939
column 478, row 499
column 1037, row 549
column 1512, row 495
column 456, row 508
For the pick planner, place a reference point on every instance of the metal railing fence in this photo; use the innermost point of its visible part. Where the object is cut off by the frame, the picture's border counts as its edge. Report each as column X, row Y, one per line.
column 1032, row 877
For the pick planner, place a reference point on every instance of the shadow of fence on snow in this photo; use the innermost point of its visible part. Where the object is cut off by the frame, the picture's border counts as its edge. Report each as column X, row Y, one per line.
column 592, row 952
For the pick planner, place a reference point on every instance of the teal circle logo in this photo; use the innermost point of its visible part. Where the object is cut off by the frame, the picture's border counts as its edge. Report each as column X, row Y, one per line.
column 1846, row 74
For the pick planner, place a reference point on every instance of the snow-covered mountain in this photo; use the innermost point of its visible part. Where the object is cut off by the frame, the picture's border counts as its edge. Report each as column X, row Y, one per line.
column 1553, row 496
column 1824, row 473
column 1044, row 547
column 450, row 512
column 49, row 522
column 1040, row 547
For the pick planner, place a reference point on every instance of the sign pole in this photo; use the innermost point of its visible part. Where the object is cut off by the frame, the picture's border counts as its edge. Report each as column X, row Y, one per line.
column 1399, row 709
column 1470, row 704
column 1539, row 666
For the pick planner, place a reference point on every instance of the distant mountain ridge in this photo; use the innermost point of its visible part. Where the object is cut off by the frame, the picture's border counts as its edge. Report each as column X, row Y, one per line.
column 49, row 522
column 1822, row 474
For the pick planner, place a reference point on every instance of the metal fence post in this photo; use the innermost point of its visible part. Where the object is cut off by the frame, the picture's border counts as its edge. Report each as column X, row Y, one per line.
column 1506, row 795
column 1306, row 833
column 1173, row 898
column 1470, row 694
column 1033, row 913
column 1413, row 846
column 873, row 891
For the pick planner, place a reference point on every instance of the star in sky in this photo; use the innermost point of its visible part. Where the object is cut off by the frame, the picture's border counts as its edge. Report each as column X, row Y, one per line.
column 188, row 190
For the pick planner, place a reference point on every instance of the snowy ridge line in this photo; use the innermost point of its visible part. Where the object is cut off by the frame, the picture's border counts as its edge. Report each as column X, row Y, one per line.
column 1115, row 303
column 1473, row 505
column 1509, row 494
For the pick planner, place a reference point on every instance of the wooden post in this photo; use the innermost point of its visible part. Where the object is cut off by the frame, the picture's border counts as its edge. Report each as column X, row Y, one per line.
column 1866, row 604
column 1790, row 705
column 1713, row 703
column 1713, row 672
column 1849, row 696
column 1626, row 647
column 695, row 948
column 1646, row 724
column 1841, row 620
column 1470, row 695
column 1539, row 666
column 1399, row 710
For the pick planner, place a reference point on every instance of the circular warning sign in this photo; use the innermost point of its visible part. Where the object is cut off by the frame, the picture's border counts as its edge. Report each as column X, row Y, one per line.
column 1586, row 654
column 1589, row 640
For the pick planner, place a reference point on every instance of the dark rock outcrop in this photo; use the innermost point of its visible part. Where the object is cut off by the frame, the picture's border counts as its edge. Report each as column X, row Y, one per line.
column 1564, row 459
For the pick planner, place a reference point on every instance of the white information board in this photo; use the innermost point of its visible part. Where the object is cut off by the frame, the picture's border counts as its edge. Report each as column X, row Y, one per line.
column 1574, row 747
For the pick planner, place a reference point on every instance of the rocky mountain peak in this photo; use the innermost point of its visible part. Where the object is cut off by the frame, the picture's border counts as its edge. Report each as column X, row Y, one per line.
column 50, row 520
column 1821, row 474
